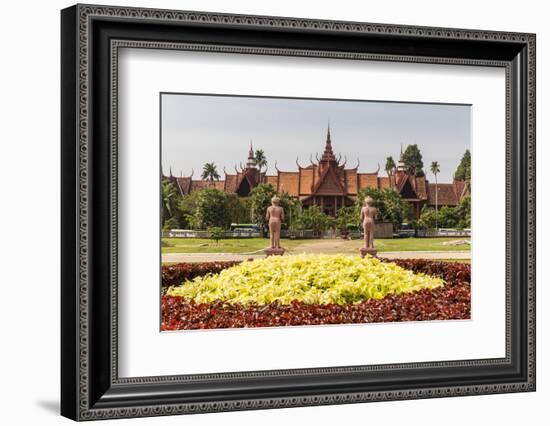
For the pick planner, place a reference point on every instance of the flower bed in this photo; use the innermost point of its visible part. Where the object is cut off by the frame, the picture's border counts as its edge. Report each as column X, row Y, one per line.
column 315, row 279
column 180, row 272
column 451, row 301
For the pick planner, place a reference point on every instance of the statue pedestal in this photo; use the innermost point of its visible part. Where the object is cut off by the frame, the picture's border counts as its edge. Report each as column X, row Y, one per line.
column 364, row 251
column 274, row 251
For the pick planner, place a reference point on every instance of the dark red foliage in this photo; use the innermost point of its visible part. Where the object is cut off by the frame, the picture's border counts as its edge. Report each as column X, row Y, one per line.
column 453, row 273
column 178, row 273
column 449, row 302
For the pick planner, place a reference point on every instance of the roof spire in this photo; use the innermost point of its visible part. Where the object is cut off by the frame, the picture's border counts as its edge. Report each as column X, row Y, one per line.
column 328, row 155
column 251, row 151
column 171, row 171
column 401, row 162
column 251, row 158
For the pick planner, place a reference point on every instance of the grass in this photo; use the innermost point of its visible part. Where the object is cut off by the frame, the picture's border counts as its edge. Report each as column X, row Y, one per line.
column 249, row 245
column 420, row 244
column 230, row 245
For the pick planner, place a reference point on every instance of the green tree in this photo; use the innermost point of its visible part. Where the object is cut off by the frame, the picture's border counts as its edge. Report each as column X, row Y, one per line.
column 346, row 216
column 215, row 233
column 238, row 210
column 313, row 218
column 260, row 158
column 171, row 223
column 413, row 160
column 391, row 207
column 187, row 207
column 390, row 166
column 427, row 218
column 260, row 200
column 211, row 209
column 434, row 168
column 464, row 210
column 210, row 172
column 463, row 171
column 169, row 201
column 292, row 208
column 448, row 217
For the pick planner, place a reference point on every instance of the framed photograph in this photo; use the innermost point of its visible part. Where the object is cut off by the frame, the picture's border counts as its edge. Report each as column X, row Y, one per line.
column 263, row 212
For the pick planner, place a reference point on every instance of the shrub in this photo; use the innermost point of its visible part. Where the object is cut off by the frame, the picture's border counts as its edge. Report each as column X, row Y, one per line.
column 444, row 303
column 215, row 233
column 180, row 272
column 312, row 279
column 171, row 223
column 452, row 301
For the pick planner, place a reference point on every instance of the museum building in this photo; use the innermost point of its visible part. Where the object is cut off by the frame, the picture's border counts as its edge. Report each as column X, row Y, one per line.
column 329, row 184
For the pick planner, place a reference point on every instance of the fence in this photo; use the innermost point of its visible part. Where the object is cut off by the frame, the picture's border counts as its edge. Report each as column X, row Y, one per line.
column 444, row 232
column 382, row 230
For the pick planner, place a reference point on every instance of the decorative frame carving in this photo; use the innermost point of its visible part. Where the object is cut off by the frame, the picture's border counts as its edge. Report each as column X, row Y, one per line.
column 91, row 388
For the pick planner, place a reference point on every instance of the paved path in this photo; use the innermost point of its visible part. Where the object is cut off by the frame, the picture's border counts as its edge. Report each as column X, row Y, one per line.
column 434, row 255
column 211, row 257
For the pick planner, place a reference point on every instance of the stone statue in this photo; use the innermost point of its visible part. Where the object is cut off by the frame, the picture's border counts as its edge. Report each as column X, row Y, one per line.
column 275, row 215
column 368, row 214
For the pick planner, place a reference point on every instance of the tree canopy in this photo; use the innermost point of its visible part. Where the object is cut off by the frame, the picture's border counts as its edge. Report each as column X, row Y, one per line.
column 211, row 209
column 463, row 171
column 210, row 172
column 390, row 205
column 413, row 160
column 390, row 166
column 260, row 158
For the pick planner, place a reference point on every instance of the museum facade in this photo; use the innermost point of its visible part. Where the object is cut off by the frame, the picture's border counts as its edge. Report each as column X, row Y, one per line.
column 330, row 184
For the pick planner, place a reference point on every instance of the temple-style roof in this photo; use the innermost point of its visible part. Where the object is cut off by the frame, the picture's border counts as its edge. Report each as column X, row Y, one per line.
column 329, row 179
column 446, row 194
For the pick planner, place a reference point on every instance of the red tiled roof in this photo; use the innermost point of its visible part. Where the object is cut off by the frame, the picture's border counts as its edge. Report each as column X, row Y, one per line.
column 288, row 182
column 461, row 189
column 231, row 183
column 421, row 191
column 446, row 194
column 350, row 178
column 306, row 179
column 184, row 184
column 197, row 185
column 383, row 182
column 271, row 180
column 367, row 180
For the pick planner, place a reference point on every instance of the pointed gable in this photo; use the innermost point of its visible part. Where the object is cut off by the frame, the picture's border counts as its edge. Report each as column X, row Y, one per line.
column 230, row 183
column 184, row 185
column 421, row 190
column 329, row 184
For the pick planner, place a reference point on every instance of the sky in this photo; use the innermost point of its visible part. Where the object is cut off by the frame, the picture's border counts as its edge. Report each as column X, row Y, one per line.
column 196, row 129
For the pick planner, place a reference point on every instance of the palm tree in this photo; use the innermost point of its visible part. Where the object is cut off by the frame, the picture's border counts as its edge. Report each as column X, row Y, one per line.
column 260, row 158
column 169, row 199
column 390, row 166
column 434, row 168
column 210, row 172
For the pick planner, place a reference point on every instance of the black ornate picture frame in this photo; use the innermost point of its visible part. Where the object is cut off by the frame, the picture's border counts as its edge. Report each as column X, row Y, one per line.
column 91, row 36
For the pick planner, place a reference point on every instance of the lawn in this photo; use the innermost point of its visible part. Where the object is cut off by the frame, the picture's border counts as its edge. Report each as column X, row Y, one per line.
column 230, row 245
column 421, row 244
column 250, row 245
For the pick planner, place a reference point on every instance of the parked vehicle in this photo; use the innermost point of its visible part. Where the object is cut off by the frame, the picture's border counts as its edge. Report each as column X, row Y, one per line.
column 244, row 227
column 405, row 230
